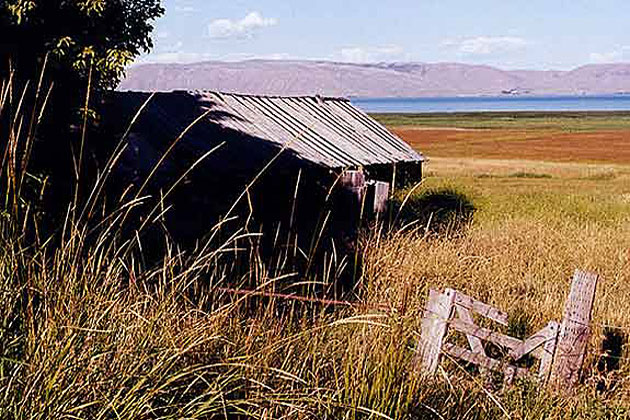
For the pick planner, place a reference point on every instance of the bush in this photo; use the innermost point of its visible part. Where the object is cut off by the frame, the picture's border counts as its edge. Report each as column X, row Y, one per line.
column 77, row 37
column 438, row 210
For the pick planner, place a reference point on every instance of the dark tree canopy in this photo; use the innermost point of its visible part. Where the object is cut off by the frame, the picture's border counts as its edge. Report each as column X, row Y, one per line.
column 76, row 35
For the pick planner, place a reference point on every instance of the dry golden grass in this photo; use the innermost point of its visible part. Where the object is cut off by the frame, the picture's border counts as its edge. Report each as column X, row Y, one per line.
column 536, row 222
column 87, row 331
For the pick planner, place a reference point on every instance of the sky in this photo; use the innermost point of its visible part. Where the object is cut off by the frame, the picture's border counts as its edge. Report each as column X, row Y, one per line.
column 509, row 34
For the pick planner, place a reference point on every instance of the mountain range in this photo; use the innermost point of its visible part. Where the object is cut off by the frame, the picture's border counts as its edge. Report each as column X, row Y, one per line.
column 277, row 77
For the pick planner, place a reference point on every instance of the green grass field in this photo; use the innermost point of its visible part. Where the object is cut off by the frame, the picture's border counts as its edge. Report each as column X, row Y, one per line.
column 556, row 191
column 564, row 121
column 536, row 221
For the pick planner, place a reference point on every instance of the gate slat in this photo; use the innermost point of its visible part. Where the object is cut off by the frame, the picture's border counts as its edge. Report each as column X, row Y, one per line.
column 474, row 342
column 486, row 334
column 481, row 360
column 535, row 341
column 481, row 308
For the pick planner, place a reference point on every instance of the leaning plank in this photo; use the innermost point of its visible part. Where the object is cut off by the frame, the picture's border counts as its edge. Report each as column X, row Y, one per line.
column 481, row 308
column 535, row 341
column 481, row 360
column 381, row 197
column 575, row 331
column 438, row 311
column 485, row 334
column 475, row 343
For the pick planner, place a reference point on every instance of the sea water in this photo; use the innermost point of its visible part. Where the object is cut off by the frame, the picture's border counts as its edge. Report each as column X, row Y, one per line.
column 495, row 103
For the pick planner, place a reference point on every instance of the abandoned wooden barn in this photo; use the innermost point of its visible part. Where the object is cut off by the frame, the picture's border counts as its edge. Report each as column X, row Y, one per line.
column 308, row 155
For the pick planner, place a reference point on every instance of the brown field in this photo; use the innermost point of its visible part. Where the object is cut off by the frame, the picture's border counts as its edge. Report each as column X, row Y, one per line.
column 610, row 146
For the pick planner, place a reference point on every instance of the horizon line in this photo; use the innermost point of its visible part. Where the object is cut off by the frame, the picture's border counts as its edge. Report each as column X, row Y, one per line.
column 370, row 64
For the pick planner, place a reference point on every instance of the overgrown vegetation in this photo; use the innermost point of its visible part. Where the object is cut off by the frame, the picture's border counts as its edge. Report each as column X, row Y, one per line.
column 443, row 210
column 89, row 330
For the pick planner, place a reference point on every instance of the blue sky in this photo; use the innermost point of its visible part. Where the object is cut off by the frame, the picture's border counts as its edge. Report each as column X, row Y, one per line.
column 511, row 34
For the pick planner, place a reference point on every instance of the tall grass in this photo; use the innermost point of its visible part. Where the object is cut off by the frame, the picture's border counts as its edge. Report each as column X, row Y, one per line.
column 88, row 330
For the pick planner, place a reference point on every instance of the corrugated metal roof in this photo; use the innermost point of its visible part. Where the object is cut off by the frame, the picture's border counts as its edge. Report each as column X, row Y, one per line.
column 326, row 131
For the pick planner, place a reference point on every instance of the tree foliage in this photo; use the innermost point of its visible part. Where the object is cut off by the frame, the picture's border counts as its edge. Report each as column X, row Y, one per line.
column 76, row 36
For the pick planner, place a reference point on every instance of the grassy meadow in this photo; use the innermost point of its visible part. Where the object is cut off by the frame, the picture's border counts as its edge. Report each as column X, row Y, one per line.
column 531, row 120
column 536, row 220
column 89, row 331
column 539, row 216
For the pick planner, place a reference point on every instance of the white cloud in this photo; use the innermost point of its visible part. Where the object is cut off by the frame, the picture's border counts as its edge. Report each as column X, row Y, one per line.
column 607, row 57
column 242, row 28
column 486, row 45
column 185, row 7
column 370, row 54
column 619, row 54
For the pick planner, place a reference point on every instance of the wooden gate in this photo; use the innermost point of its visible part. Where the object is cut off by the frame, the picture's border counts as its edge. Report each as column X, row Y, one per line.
column 563, row 343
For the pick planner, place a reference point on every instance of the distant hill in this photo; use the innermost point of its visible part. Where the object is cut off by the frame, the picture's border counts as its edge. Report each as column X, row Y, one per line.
column 374, row 80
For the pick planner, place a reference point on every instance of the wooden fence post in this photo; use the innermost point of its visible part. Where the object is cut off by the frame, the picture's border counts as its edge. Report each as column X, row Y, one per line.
column 437, row 314
column 575, row 331
column 348, row 215
column 381, row 197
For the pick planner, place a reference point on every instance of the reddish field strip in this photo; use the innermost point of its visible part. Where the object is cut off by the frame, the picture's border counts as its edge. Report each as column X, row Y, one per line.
column 598, row 146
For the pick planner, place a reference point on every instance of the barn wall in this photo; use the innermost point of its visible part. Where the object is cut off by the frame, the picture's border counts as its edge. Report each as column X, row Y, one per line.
column 315, row 216
column 407, row 173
